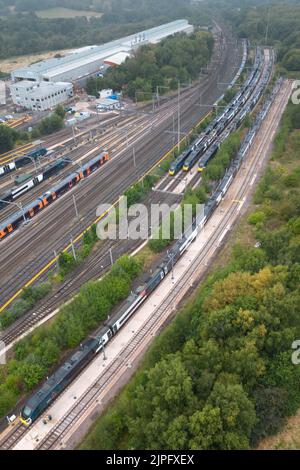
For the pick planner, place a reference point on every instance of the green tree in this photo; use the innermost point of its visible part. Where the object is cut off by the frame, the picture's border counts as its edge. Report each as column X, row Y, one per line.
column 7, row 138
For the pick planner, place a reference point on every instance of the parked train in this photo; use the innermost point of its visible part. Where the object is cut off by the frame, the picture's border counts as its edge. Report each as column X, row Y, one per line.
column 61, row 378
column 35, row 180
column 57, row 382
column 187, row 159
column 30, row 210
column 23, row 161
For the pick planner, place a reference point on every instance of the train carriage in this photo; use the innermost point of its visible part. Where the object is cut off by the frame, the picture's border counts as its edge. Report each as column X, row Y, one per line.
column 177, row 164
column 125, row 312
column 7, row 168
column 56, row 383
column 94, row 164
column 208, row 156
column 63, row 186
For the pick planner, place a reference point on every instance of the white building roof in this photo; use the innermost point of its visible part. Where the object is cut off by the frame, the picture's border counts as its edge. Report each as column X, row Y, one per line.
column 2, row 92
column 98, row 56
column 39, row 90
column 51, row 68
column 117, row 59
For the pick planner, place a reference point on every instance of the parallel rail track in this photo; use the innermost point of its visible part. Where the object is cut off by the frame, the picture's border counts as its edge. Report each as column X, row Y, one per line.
column 65, row 424
column 110, row 175
column 160, row 316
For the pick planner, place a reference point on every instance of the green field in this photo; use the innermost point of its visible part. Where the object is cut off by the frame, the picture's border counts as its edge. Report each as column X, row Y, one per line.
column 66, row 13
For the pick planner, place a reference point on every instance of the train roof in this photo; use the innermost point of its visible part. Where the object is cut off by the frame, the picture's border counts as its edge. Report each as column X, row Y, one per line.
column 33, row 152
column 56, row 163
column 61, row 183
column 92, row 161
column 59, row 375
column 191, row 156
column 181, row 158
column 19, row 214
column 122, row 309
column 101, row 333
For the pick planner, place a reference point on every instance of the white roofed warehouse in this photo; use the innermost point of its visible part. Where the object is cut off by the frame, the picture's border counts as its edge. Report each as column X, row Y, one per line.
column 88, row 60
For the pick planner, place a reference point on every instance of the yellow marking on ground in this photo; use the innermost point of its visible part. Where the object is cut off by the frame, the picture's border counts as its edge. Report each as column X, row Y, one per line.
column 10, row 152
column 44, row 269
column 13, row 154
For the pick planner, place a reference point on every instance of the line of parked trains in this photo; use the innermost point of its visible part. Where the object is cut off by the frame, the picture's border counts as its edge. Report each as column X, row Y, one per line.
column 64, row 375
column 27, row 182
column 30, row 210
column 230, row 119
column 23, row 161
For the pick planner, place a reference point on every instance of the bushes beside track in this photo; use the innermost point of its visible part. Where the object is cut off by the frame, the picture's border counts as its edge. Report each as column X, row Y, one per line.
column 66, row 264
column 179, row 57
column 29, row 297
column 221, row 375
column 213, row 173
column 35, row 355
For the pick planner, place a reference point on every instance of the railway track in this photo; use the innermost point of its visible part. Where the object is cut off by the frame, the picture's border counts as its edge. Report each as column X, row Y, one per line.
column 89, row 271
column 54, row 440
column 112, row 140
column 168, row 185
column 64, row 425
column 94, row 267
column 44, row 310
column 32, row 264
column 162, row 313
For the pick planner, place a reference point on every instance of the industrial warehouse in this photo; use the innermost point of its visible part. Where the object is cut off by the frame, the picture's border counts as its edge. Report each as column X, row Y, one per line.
column 79, row 65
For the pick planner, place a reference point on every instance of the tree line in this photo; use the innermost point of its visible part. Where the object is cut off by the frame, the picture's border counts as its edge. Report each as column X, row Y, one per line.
column 35, row 356
column 52, row 123
column 221, row 375
column 23, row 32
column 279, row 24
column 180, row 57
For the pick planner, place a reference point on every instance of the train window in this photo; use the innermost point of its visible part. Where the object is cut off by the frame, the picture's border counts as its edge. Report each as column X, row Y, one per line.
column 26, row 411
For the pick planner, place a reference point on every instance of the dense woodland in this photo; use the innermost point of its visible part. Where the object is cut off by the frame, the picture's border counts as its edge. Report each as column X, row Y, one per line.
column 221, row 376
column 283, row 31
column 23, row 32
column 177, row 58
column 36, row 355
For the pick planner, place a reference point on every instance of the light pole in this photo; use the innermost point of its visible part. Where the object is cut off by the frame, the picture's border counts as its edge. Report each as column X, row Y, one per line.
column 56, row 259
column 18, row 204
column 111, row 256
column 157, row 91
column 146, row 93
column 133, row 152
column 172, row 260
column 73, row 249
column 74, row 136
column 75, row 205
column 178, row 145
column 34, row 162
